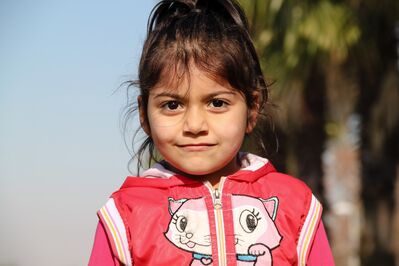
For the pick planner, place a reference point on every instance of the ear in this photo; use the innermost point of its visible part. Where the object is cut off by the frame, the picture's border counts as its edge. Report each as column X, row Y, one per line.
column 143, row 116
column 271, row 206
column 174, row 205
column 253, row 113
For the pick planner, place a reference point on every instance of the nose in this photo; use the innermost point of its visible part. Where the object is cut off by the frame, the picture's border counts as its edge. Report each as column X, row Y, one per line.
column 189, row 235
column 195, row 121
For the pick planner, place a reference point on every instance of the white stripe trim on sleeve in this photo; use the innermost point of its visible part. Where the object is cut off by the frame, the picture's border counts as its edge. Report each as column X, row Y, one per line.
column 109, row 214
column 308, row 230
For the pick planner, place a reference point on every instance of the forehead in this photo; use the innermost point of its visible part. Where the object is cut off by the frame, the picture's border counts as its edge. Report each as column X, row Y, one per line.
column 181, row 81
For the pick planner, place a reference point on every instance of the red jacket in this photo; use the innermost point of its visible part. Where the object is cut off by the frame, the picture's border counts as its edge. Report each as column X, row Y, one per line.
column 257, row 216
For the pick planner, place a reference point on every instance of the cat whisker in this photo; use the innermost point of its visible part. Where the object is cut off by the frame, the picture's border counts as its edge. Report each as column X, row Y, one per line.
column 238, row 240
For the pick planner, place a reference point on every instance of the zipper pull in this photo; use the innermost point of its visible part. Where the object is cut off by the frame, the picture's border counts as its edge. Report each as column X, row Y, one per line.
column 217, row 199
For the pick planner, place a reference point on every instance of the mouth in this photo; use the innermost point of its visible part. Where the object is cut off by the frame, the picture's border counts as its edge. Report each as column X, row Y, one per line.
column 196, row 146
column 190, row 244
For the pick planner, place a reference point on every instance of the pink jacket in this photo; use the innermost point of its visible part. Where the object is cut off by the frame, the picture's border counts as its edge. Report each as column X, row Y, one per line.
column 256, row 217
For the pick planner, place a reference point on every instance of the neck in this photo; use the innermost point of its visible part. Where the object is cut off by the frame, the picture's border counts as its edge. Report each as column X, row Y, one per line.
column 212, row 177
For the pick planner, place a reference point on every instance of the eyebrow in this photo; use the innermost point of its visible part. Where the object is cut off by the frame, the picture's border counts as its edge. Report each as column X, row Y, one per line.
column 216, row 93
column 179, row 97
column 168, row 94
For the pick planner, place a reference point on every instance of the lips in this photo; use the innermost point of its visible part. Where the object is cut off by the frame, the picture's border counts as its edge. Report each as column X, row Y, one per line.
column 196, row 146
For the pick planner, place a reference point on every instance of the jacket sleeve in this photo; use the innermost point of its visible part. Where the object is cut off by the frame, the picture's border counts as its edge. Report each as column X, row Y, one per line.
column 312, row 219
column 101, row 254
column 320, row 252
column 116, row 232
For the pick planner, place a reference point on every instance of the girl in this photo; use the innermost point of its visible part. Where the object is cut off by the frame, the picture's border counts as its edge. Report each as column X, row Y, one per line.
column 205, row 203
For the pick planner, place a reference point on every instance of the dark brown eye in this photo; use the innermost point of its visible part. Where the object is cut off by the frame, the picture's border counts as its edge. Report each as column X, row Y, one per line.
column 172, row 105
column 217, row 103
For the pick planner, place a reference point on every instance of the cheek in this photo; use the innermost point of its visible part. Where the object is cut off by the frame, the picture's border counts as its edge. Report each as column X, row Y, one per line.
column 232, row 129
column 161, row 137
column 159, row 121
column 163, row 141
column 161, row 132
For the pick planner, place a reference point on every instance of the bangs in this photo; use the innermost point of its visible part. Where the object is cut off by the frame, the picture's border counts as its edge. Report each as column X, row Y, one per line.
column 175, row 72
column 200, row 40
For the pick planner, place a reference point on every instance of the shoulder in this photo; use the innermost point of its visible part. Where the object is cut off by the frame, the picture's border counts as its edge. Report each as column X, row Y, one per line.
column 260, row 170
column 138, row 195
column 295, row 195
column 287, row 186
column 299, row 200
column 287, row 179
column 115, row 228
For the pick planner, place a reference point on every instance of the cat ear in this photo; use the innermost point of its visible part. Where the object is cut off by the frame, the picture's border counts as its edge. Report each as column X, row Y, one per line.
column 174, row 205
column 271, row 205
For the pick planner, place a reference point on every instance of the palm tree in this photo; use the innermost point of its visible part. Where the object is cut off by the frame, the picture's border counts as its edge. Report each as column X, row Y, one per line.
column 336, row 83
column 299, row 42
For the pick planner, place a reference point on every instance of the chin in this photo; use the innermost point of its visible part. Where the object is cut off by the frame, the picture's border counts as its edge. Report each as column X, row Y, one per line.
column 196, row 169
column 198, row 172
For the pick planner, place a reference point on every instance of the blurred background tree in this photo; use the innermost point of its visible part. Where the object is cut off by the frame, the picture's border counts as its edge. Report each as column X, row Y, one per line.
column 334, row 68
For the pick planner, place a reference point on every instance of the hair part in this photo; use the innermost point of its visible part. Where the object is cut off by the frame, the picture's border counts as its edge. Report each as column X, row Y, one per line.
column 211, row 35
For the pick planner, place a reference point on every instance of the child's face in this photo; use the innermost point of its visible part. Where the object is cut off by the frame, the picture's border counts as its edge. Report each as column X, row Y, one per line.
column 198, row 130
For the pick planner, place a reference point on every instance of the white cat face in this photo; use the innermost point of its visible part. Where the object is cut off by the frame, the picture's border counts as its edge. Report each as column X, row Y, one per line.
column 189, row 227
column 250, row 224
column 253, row 223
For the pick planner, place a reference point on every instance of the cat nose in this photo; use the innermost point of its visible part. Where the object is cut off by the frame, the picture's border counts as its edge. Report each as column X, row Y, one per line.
column 189, row 235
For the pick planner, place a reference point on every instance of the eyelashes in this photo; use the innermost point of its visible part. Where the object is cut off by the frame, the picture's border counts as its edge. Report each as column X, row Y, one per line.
column 256, row 214
column 174, row 218
column 218, row 103
column 180, row 222
column 173, row 106
column 249, row 220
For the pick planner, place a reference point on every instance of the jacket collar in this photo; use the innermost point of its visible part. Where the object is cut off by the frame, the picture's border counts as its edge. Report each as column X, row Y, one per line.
column 253, row 167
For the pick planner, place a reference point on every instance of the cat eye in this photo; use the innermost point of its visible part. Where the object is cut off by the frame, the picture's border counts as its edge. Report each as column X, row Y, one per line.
column 249, row 220
column 181, row 224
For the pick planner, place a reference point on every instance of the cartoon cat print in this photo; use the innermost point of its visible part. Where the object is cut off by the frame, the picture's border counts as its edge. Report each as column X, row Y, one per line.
column 255, row 232
column 189, row 229
column 254, row 229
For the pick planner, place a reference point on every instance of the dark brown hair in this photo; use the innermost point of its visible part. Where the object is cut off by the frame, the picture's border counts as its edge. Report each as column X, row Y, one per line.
column 210, row 34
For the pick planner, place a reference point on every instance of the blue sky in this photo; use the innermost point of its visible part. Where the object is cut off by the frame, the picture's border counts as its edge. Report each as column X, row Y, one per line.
column 61, row 149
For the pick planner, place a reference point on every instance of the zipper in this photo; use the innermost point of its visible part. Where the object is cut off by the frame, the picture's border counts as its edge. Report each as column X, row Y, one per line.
column 217, row 200
column 218, row 212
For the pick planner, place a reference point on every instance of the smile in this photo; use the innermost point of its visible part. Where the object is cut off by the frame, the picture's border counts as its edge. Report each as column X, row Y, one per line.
column 196, row 147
